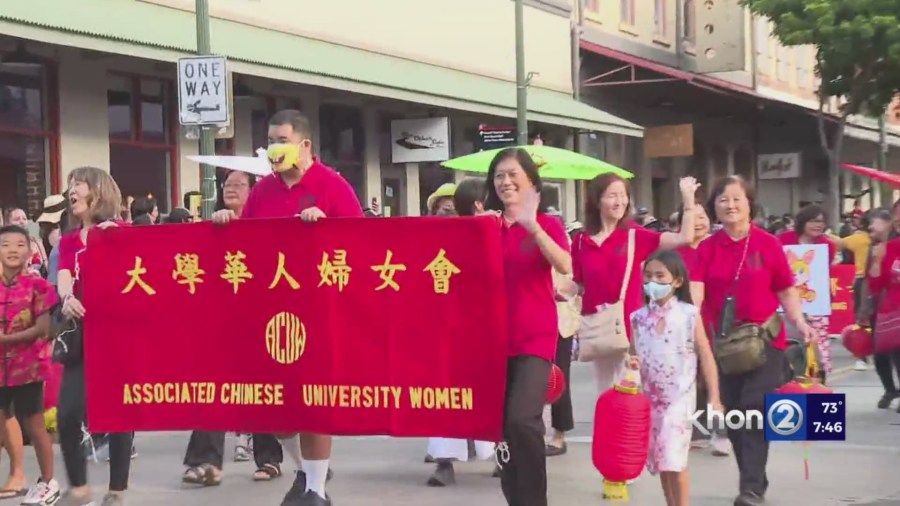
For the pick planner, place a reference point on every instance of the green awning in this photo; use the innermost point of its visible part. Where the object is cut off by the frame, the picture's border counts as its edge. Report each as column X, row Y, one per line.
column 150, row 31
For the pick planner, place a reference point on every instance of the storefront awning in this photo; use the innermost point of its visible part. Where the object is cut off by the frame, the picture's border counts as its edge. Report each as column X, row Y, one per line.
column 150, row 31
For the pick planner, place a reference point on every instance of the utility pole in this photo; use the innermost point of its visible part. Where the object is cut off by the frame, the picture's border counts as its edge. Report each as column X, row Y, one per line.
column 887, row 195
column 207, row 141
column 521, row 80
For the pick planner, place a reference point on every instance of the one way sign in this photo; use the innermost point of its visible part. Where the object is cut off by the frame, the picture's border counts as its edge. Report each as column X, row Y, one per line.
column 203, row 91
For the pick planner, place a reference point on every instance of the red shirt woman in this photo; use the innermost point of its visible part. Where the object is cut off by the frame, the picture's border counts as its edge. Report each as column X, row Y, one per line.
column 753, row 256
column 600, row 255
column 884, row 275
column 533, row 245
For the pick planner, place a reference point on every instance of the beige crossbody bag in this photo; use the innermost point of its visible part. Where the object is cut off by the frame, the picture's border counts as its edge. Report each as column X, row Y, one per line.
column 603, row 334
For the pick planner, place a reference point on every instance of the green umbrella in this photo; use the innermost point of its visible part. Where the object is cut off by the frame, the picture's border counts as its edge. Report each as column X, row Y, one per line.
column 553, row 163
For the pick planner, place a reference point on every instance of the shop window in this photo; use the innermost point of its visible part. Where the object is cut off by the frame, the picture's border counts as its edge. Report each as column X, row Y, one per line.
column 551, row 195
column 142, row 140
column 627, row 12
column 26, row 138
column 689, row 25
column 342, row 144
column 659, row 18
column 592, row 6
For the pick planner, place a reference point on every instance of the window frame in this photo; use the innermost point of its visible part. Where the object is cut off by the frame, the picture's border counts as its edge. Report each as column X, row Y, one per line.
column 627, row 13
column 173, row 136
column 660, row 19
column 50, row 126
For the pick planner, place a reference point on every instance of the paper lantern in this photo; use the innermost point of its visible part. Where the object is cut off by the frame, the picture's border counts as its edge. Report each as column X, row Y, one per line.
column 556, row 384
column 800, row 386
column 858, row 341
column 621, row 437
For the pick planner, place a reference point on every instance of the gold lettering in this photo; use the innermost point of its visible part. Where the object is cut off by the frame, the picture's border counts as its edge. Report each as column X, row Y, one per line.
column 236, row 271
column 335, row 272
column 126, row 396
column 442, row 269
column 467, row 398
column 187, row 271
column 135, row 278
column 283, row 273
column 387, row 271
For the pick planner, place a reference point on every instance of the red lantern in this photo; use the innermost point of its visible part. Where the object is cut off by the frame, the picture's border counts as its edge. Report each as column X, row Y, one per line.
column 621, row 437
column 556, row 384
column 803, row 387
column 858, row 341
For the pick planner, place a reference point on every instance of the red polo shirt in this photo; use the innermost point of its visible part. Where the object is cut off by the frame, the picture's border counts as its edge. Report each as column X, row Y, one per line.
column 887, row 286
column 70, row 247
column 600, row 269
column 320, row 187
column 792, row 238
column 764, row 275
column 531, row 305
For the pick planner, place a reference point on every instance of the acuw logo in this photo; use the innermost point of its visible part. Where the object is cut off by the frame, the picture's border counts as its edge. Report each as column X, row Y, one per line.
column 735, row 419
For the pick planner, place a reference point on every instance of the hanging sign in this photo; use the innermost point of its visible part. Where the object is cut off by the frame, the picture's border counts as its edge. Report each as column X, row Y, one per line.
column 203, row 91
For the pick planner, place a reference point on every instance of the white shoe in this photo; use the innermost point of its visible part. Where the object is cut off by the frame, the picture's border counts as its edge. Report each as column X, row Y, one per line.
column 861, row 365
column 42, row 494
column 721, row 446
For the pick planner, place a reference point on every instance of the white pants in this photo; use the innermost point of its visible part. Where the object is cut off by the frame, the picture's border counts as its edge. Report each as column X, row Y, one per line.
column 458, row 449
column 609, row 370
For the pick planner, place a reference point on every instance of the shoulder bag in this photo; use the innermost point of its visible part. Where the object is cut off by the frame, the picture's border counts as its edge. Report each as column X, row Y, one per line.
column 68, row 344
column 741, row 347
column 603, row 333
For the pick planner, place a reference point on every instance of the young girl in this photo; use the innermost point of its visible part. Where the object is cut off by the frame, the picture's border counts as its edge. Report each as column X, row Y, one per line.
column 668, row 339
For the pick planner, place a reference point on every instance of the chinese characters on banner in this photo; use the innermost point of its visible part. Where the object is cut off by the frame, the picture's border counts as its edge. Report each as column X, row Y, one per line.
column 810, row 265
column 843, row 312
column 344, row 327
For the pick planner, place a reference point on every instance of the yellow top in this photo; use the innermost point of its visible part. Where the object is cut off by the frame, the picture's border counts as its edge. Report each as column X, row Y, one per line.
column 858, row 243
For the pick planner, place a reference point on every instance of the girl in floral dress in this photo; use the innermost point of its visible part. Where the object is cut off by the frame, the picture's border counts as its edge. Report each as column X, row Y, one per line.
column 668, row 339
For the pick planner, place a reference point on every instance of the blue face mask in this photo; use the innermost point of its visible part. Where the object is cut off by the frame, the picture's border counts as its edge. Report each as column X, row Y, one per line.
column 657, row 291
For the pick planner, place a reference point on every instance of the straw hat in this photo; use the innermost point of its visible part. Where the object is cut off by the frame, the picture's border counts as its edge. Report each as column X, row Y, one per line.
column 54, row 206
column 445, row 190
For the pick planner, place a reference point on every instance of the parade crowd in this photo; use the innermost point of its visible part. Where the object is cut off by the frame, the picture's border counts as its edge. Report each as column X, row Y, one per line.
column 681, row 283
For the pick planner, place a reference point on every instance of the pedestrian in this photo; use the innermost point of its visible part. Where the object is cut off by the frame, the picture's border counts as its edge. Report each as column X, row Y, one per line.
column 667, row 342
column 302, row 186
column 144, row 211
column 810, row 228
column 600, row 256
column 95, row 201
column 37, row 261
column 533, row 245
column 568, row 311
column 741, row 271
column 24, row 327
column 885, row 363
column 884, row 283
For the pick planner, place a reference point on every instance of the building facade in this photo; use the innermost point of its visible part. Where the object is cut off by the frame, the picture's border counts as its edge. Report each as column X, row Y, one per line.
column 718, row 95
column 93, row 82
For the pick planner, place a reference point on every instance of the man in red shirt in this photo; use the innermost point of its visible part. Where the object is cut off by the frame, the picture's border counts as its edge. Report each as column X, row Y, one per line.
column 300, row 186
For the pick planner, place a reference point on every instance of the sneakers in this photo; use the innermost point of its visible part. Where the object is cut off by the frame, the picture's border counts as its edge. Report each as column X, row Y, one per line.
column 443, row 476
column 886, row 399
column 311, row 498
column 721, row 446
column 42, row 494
column 242, row 449
column 69, row 499
column 749, row 499
column 861, row 365
column 111, row 499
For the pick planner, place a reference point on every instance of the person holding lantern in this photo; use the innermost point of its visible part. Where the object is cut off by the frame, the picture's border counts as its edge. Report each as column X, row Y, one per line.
column 742, row 276
column 668, row 339
column 534, row 244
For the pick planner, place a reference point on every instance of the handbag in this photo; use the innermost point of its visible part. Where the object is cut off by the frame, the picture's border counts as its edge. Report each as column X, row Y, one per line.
column 603, row 333
column 741, row 347
column 887, row 330
column 68, row 342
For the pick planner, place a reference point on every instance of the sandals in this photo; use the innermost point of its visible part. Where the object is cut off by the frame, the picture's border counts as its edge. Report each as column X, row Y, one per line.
column 11, row 493
column 206, row 475
column 554, row 451
column 267, row 472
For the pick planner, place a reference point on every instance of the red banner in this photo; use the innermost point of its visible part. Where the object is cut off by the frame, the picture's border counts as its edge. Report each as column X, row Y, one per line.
column 345, row 327
column 842, row 310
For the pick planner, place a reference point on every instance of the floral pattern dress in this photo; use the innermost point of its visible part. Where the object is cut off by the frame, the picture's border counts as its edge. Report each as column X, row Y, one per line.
column 664, row 343
column 22, row 301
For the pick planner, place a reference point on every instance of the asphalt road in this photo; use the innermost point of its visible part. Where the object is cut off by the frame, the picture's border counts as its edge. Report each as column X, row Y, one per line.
column 864, row 470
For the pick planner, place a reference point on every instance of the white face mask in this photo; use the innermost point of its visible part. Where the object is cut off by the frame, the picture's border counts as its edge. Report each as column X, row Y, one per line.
column 657, row 291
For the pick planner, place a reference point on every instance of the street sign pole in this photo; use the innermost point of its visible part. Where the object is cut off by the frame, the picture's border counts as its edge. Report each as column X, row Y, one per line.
column 207, row 141
column 521, row 80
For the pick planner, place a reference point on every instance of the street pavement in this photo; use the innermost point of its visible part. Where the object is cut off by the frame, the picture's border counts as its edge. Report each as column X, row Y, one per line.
column 383, row 471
